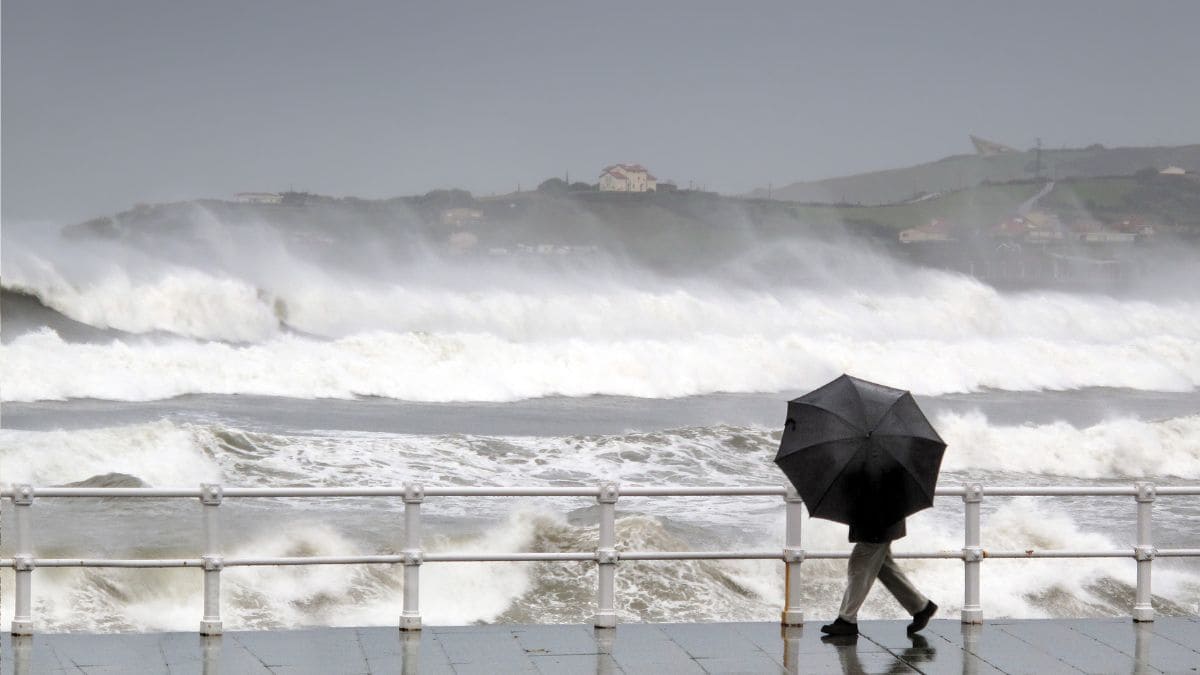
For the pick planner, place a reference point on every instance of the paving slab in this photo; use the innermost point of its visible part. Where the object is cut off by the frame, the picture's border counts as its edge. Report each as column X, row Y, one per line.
column 1180, row 630
column 646, row 648
column 999, row 649
column 495, row 652
column 561, row 640
column 1071, row 647
column 336, row 650
column 577, row 664
column 711, row 640
column 1138, row 640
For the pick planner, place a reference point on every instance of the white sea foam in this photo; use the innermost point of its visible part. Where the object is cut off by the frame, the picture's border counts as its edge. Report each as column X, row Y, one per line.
column 485, row 367
column 160, row 453
column 1113, row 448
column 168, row 454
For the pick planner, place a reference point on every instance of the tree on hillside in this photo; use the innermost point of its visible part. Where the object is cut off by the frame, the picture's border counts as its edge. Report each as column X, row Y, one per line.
column 553, row 185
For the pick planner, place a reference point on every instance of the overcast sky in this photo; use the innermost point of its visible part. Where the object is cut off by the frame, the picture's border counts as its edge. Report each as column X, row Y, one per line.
column 110, row 103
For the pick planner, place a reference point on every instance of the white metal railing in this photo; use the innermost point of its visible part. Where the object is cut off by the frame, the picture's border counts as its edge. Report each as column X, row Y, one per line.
column 606, row 556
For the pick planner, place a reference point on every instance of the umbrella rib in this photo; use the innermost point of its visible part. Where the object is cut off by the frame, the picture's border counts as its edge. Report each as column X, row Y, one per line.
column 835, row 478
column 835, row 413
column 918, row 410
column 885, row 414
column 902, row 465
column 916, row 480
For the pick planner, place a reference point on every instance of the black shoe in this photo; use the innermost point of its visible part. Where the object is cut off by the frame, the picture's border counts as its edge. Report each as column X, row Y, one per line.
column 840, row 627
column 921, row 618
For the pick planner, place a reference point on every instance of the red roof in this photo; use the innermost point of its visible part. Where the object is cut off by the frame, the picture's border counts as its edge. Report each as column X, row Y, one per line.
column 631, row 168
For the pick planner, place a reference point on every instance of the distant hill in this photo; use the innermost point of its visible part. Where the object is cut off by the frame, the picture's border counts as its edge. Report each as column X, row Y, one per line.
column 964, row 171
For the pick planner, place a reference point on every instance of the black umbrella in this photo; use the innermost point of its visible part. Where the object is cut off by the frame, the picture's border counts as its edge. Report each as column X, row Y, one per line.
column 860, row 453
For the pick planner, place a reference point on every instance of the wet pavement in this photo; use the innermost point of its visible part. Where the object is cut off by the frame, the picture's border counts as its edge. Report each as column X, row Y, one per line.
column 1168, row 645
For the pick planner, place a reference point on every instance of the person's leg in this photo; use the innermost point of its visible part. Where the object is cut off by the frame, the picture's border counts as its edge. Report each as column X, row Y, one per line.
column 861, row 570
column 898, row 585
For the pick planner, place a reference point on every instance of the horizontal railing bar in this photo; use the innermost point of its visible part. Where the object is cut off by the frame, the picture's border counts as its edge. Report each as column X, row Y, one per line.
column 749, row 491
column 510, row 557
column 166, row 493
column 701, row 555
column 389, row 491
column 1177, row 489
column 1058, row 491
column 315, row 560
column 1064, row 553
column 110, row 562
column 1178, row 552
column 579, row 491
column 394, row 559
column 913, row 555
column 576, row 491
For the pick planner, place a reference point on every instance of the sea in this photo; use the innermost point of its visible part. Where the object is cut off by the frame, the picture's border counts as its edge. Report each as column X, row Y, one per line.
column 249, row 354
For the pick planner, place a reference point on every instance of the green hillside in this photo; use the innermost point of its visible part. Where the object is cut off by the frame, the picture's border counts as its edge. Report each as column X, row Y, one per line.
column 1171, row 201
column 965, row 171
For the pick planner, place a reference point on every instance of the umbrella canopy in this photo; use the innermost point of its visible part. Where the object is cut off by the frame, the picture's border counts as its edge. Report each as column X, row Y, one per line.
column 860, row 453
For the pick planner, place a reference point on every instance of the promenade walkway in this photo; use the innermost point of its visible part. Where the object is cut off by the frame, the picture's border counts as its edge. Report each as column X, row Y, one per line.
column 1169, row 645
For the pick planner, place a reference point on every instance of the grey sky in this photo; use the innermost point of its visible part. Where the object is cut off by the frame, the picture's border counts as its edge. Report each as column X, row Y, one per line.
column 110, row 103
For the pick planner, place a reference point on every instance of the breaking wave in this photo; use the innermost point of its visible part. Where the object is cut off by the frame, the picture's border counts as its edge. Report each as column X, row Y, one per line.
column 441, row 367
column 173, row 454
column 239, row 310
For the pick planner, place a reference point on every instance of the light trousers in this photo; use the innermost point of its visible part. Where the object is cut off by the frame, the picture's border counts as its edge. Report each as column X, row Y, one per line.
column 871, row 561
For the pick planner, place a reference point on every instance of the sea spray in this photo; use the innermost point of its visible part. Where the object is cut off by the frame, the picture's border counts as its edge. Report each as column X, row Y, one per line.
column 459, row 593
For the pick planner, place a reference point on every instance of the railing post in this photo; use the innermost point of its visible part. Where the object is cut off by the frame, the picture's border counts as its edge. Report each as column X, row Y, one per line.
column 22, row 623
column 410, row 617
column 213, row 563
column 606, row 558
column 972, row 612
column 1144, row 552
column 793, row 556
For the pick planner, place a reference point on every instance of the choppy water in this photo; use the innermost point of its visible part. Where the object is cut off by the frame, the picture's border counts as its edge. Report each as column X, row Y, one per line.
column 236, row 356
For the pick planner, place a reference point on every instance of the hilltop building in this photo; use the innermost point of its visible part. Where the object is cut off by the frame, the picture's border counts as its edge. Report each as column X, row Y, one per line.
column 986, row 148
column 1173, row 171
column 460, row 217
column 259, row 197
column 935, row 230
column 627, row 178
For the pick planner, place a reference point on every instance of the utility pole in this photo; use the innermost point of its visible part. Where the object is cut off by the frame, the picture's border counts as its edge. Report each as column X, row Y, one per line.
column 769, row 186
column 1037, row 159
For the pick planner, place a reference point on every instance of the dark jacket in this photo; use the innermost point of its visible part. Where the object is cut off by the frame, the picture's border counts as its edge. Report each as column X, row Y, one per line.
column 877, row 534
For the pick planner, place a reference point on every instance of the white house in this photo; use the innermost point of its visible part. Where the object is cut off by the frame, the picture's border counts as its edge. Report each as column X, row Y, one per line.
column 259, row 197
column 627, row 178
column 461, row 217
column 1173, row 171
column 935, row 230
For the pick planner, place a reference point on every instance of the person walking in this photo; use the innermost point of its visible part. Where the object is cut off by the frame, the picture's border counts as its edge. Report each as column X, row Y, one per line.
column 872, row 559
column 864, row 454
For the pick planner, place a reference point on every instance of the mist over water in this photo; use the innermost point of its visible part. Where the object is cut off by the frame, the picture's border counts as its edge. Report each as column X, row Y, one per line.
column 251, row 309
column 341, row 310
